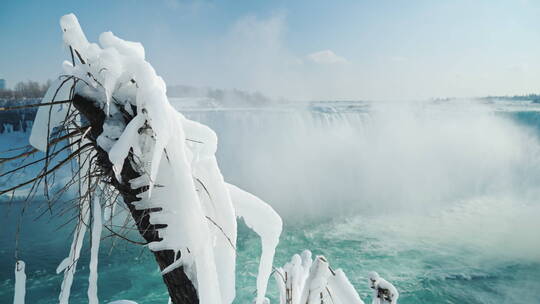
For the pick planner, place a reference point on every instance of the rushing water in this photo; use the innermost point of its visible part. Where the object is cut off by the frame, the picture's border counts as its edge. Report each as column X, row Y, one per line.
column 442, row 199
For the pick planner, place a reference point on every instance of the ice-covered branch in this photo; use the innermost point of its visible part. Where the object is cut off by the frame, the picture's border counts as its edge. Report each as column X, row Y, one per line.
column 161, row 163
column 307, row 281
column 383, row 291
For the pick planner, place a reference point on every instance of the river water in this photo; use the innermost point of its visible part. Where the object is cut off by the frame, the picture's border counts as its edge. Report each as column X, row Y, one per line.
column 441, row 198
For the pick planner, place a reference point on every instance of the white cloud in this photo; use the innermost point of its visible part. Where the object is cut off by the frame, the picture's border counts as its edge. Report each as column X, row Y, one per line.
column 253, row 55
column 326, row 57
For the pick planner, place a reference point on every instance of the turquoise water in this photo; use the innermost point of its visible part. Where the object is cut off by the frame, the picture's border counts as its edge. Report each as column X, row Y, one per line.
column 442, row 202
column 423, row 272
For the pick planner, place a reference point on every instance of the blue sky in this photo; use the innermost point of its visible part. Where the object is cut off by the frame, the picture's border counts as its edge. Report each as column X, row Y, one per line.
column 299, row 49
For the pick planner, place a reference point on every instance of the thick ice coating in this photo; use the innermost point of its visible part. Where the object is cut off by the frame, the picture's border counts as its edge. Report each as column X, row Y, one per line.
column 384, row 292
column 307, row 281
column 260, row 217
column 197, row 208
column 20, row 283
column 96, row 237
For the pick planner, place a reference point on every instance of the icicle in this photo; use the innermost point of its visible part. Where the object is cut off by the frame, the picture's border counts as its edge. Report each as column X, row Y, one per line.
column 220, row 215
column 94, row 251
column 51, row 116
column 69, row 264
column 260, row 217
column 173, row 266
column 120, row 149
column 20, row 282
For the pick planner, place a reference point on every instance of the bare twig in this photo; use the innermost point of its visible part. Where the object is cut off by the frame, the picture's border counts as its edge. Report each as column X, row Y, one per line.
column 34, row 105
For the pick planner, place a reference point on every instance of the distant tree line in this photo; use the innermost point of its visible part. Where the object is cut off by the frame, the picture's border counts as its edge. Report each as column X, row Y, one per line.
column 24, row 93
column 224, row 96
column 23, row 90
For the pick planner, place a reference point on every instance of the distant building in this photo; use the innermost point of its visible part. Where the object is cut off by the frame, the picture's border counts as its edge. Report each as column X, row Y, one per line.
column 2, row 84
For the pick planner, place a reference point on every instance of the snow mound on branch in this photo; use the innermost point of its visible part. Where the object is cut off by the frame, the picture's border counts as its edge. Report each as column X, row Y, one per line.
column 384, row 292
column 175, row 158
column 307, row 281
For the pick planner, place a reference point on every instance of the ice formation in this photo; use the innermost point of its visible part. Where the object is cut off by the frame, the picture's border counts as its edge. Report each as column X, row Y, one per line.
column 50, row 117
column 175, row 158
column 69, row 264
column 307, row 281
column 260, row 217
column 383, row 291
column 96, row 236
column 20, row 282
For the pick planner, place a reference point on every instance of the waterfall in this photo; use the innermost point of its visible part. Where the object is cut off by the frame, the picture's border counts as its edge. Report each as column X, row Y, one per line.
column 329, row 159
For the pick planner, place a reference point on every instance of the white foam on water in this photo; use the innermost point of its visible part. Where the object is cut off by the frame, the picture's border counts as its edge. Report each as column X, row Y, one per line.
column 498, row 228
